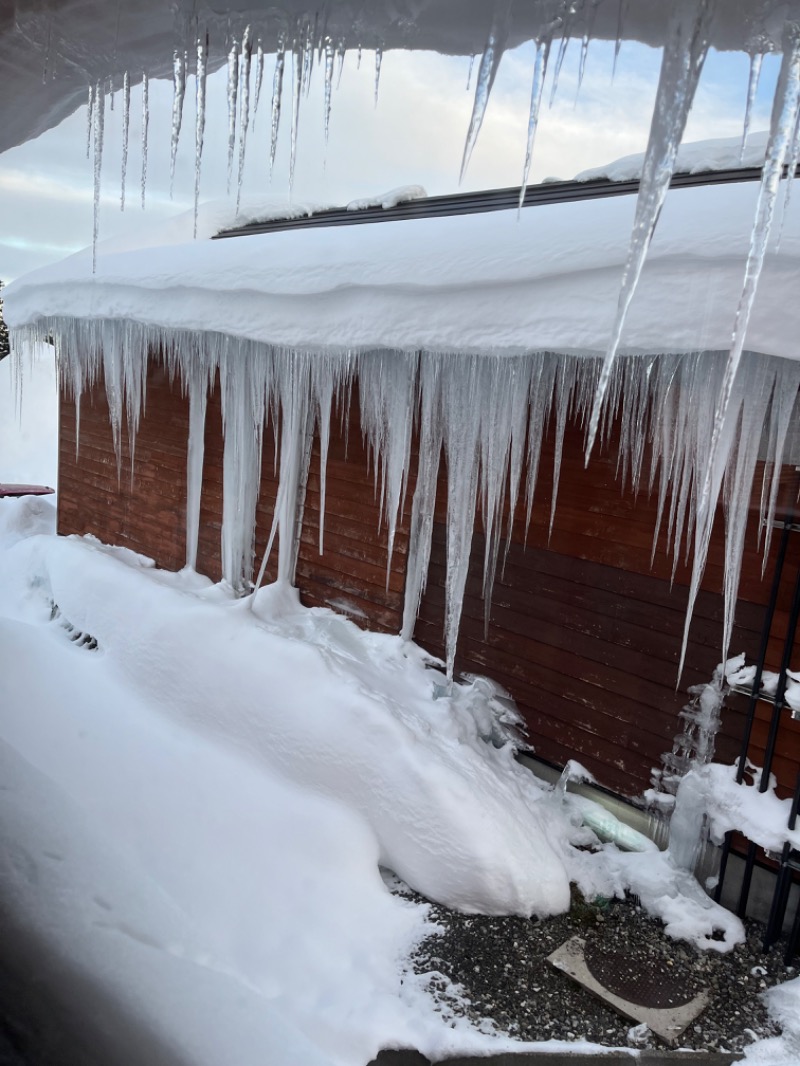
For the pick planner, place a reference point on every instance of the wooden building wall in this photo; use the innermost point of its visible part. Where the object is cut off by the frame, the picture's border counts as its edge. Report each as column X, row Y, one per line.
column 583, row 632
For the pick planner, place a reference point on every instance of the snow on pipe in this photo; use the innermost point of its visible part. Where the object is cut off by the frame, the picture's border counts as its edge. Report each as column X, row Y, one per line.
column 510, row 400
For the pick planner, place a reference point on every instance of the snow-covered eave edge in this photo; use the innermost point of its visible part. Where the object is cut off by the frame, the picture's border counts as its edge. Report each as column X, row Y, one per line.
column 656, row 400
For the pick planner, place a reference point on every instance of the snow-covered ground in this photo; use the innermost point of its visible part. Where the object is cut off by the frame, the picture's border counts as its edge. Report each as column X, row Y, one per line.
column 195, row 812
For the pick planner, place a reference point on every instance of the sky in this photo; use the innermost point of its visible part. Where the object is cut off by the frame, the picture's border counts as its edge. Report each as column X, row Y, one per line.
column 413, row 135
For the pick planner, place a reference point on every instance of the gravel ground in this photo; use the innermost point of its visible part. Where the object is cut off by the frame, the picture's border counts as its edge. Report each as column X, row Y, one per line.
column 504, row 981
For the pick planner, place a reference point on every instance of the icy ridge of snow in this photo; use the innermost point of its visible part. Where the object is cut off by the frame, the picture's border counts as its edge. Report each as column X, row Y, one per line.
column 401, row 195
column 695, row 157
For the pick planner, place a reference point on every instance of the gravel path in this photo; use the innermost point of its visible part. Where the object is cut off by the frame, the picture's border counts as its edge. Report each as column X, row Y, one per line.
column 500, row 966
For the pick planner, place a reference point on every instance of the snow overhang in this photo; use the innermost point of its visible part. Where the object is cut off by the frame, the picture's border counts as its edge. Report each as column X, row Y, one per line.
column 51, row 52
column 547, row 279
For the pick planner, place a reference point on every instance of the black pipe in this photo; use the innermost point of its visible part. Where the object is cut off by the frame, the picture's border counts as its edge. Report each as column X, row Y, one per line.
column 471, row 203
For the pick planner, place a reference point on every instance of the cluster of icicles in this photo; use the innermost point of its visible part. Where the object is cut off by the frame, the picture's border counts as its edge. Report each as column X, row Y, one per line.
column 685, row 49
column 485, row 415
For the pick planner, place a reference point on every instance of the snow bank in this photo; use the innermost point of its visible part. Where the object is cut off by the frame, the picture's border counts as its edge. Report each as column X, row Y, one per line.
column 492, row 283
column 193, row 813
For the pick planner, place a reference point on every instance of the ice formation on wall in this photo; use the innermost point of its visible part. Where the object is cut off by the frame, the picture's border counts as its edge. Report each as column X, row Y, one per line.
column 664, row 447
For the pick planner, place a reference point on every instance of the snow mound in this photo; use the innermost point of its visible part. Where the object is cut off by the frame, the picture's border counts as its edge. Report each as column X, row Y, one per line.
column 697, row 157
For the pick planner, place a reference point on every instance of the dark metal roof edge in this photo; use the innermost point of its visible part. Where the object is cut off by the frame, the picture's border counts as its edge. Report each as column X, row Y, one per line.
column 470, row 203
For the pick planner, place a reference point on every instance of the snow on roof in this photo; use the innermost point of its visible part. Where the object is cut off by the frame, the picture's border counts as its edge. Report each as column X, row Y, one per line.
column 546, row 279
column 697, row 157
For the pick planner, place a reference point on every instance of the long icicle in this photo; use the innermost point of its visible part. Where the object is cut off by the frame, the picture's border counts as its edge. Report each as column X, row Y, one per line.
column 784, row 118
column 539, row 73
column 145, row 125
column 298, row 64
column 244, row 110
column 126, row 125
column 681, row 65
column 233, row 94
column 178, row 95
column 200, row 118
column 487, row 71
column 99, row 122
column 277, row 92
column 756, row 61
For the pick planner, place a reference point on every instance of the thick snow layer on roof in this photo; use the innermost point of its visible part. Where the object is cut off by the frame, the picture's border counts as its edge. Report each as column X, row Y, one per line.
column 548, row 279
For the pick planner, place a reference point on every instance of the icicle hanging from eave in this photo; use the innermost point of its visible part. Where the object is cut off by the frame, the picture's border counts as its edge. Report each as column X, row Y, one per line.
column 467, row 408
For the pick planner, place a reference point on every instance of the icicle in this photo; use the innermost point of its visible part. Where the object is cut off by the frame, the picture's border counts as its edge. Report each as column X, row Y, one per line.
column 99, row 121
column 340, row 54
column 244, row 112
column 126, row 123
column 539, row 72
column 89, row 120
column 565, row 383
column 358, row 59
column 618, row 43
column 424, row 502
column 684, row 53
column 386, row 388
column 329, row 57
column 562, row 51
column 200, row 119
column 784, row 119
column 245, row 372
column 378, row 61
column 259, row 78
column 198, row 397
column 791, row 177
column 233, row 93
column 145, row 124
column 308, row 61
column 487, row 71
column 587, row 37
column 178, row 93
column 469, row 71
column 461, row 447
column 297, row 84
column 756, row 60
column 277, row 91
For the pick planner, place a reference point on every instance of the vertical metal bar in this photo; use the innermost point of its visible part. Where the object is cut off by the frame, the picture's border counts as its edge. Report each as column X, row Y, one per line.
column 783, row 883
column 762, row 651
column 754, row 695
column 769, row 750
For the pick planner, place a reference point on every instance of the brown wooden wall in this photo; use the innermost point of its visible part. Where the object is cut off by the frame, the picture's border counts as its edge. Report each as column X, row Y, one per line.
column 148, row 514
column 583, row 632
column 586, row 635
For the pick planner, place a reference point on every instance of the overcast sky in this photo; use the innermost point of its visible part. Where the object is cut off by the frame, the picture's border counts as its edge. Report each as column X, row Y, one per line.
column 415, row 135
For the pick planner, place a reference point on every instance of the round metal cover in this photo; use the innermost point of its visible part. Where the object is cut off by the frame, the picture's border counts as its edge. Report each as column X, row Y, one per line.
column 642, row 979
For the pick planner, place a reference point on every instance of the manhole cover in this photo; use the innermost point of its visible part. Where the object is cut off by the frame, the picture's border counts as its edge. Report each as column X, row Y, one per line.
column 646, row 981
column 651, row 996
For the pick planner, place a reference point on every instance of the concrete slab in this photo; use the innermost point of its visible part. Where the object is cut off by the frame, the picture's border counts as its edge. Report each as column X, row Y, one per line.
column 649, row 1008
